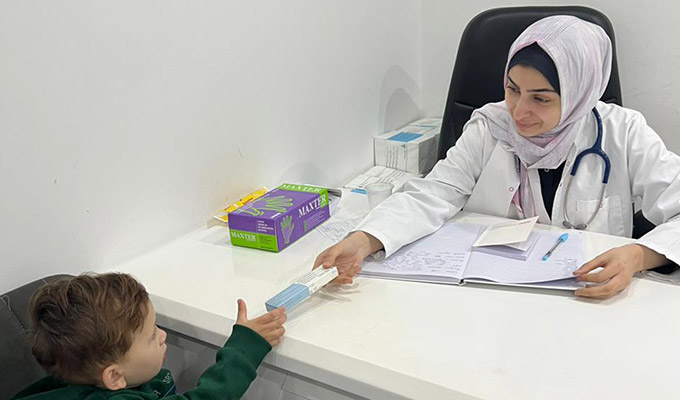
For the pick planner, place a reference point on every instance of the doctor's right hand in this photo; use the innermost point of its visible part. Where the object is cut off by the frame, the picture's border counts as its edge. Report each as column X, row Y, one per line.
column 347, row 255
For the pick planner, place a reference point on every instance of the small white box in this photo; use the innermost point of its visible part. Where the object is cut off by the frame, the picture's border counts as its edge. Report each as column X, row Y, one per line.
column 302, row 289
column 412, row 148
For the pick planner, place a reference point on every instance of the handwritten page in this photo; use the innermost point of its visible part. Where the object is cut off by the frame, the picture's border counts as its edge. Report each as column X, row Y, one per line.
column 415, row 263
column 439, row 257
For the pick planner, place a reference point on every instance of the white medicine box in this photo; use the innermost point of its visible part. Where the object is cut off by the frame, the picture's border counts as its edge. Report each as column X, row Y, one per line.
column 412, row 148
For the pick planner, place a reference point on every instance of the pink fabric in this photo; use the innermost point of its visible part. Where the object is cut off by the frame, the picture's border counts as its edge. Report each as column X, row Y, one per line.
column 582, row 55
column 524, row 191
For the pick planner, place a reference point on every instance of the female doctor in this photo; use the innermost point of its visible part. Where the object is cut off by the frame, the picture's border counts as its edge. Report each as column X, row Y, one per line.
column 515, row 157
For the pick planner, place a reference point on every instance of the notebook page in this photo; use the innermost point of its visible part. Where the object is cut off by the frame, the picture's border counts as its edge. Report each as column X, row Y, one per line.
column 565, row 259
column 442, row 255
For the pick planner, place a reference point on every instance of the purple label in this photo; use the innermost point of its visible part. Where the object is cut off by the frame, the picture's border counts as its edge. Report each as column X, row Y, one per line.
column 276, row 203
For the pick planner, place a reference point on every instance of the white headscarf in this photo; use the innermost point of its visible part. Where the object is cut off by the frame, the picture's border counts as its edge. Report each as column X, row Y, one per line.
column 582, row 54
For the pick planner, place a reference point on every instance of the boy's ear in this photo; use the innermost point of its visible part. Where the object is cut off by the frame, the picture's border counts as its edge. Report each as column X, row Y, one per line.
column 113, row 378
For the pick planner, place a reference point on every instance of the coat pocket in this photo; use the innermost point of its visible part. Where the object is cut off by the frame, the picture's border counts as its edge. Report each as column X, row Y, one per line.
column 609, row 218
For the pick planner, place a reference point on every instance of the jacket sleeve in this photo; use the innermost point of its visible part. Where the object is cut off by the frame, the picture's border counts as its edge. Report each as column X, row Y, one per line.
column 235, row 369
column 655, row 180
column 425, row 204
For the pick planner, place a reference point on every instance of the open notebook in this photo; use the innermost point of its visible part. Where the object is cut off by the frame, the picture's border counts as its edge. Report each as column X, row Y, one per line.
column 446, row 257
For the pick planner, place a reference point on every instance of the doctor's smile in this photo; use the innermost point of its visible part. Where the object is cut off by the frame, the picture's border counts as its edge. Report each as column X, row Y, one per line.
column 524, row 126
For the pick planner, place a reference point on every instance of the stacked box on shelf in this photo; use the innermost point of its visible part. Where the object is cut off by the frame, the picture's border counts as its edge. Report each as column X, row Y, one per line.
column 412, row 148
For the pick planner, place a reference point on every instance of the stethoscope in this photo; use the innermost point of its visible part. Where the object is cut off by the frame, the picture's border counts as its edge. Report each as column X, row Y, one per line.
column 597, row 150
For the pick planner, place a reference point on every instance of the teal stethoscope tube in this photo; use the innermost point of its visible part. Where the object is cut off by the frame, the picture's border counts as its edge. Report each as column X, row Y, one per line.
column 596, row 149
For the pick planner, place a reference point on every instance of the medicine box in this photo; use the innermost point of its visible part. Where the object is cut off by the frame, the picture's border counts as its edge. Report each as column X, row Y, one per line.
column 412, row 148
column 280, row 217
column 302, row 289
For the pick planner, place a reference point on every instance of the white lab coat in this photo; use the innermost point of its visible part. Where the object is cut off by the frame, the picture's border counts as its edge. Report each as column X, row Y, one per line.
column 479, row 175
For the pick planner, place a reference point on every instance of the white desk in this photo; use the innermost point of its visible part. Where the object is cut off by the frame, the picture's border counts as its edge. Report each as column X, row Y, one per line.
column 384, row 339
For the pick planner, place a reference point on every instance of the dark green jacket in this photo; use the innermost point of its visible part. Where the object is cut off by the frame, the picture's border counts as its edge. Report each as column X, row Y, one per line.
column 228, row 378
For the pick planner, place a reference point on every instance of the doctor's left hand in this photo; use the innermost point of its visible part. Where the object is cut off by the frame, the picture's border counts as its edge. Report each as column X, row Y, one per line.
column 618, row 266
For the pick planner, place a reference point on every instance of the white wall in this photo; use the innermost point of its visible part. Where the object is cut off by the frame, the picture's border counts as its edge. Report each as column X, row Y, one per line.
column 124, row 124
column 647, row 48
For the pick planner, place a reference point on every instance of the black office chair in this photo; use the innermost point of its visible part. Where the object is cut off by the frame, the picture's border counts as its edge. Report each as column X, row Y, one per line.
column 482, row 53
column 18, row 368
column 478, row 72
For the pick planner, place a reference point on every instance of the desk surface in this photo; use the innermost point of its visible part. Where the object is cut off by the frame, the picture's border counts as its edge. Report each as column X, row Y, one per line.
column 384, row 339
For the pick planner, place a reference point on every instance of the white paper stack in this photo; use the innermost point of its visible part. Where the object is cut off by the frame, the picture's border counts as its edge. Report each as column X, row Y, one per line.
column 509, row 239
column 381, row 174
column 412, row 148
column 517, row 251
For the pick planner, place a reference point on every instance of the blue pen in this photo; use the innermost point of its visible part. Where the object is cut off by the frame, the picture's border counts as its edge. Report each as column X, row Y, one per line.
column 563, row 238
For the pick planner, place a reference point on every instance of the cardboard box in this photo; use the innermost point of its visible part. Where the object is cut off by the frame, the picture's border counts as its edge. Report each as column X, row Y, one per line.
column 279, row 218
column 412, row 148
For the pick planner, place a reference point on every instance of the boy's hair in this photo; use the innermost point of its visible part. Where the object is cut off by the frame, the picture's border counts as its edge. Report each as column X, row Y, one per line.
column 83, row 324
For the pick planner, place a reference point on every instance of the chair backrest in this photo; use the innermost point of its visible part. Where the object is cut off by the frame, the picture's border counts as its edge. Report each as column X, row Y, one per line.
column 18, row 368
column 478, row 72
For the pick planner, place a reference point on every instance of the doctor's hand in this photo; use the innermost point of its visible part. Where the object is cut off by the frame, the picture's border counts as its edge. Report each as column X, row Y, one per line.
column 618, row 266
column 347, row 255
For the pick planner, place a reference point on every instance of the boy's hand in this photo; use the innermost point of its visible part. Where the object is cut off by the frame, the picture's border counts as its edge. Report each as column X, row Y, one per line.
column 269, row 325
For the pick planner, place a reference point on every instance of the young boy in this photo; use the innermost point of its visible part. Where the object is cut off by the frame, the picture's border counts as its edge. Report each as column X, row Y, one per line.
column 96, row 336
